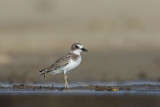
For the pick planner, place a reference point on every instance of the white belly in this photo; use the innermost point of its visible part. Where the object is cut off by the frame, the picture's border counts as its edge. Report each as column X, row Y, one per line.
column 71, row 65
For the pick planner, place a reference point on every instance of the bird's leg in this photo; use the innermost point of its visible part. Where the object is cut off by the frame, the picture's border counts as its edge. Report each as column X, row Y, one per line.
column 66, row 83
column 65, row 80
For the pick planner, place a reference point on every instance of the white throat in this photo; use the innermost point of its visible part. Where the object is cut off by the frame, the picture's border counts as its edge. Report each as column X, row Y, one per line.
column 78, row 52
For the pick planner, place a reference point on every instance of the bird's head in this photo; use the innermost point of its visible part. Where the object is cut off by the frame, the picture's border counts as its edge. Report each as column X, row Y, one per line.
column 77, row 48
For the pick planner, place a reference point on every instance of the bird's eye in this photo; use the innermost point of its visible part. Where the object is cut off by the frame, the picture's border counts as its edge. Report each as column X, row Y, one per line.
column 76, row 46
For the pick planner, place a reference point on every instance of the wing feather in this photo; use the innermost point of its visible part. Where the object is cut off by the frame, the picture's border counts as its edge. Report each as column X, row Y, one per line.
column 61, row 62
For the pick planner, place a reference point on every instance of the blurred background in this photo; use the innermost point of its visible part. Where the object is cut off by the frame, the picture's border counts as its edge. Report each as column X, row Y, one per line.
column 123, row 39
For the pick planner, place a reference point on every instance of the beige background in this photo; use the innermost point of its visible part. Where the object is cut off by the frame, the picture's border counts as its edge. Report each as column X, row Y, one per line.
column 123, row 38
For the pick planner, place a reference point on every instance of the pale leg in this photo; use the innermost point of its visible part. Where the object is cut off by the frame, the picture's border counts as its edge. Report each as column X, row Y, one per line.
column 65, row 80
column 66, row 83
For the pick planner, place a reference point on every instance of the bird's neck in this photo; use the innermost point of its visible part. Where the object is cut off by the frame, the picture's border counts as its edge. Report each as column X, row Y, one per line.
column 77, row 52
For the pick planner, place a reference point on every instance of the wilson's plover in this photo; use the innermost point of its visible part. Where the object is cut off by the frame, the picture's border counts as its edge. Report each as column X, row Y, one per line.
column 66, row 63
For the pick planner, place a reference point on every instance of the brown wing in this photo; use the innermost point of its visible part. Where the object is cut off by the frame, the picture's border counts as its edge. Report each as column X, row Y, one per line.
column 61, row 62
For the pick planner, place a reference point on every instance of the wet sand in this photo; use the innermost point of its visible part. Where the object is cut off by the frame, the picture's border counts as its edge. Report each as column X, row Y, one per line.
column 128, row 95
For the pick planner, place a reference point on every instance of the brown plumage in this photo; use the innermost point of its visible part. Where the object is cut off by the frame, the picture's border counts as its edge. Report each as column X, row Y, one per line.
column 61, row 62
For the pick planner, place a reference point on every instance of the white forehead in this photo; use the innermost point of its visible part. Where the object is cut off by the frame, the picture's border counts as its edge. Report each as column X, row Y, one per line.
column 81, row 46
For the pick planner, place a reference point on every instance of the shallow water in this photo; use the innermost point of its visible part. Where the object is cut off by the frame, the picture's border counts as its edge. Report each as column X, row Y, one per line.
column 82, row 92
column 129, row 94
column 135, row 88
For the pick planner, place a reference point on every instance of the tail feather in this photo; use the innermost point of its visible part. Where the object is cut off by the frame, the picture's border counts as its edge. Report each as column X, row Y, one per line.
column 43, row 72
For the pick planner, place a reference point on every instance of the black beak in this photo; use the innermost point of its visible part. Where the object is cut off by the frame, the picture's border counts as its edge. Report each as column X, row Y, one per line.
column 85, row 50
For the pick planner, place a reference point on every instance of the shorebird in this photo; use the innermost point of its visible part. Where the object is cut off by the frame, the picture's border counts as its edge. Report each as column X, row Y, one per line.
column 66, row 63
